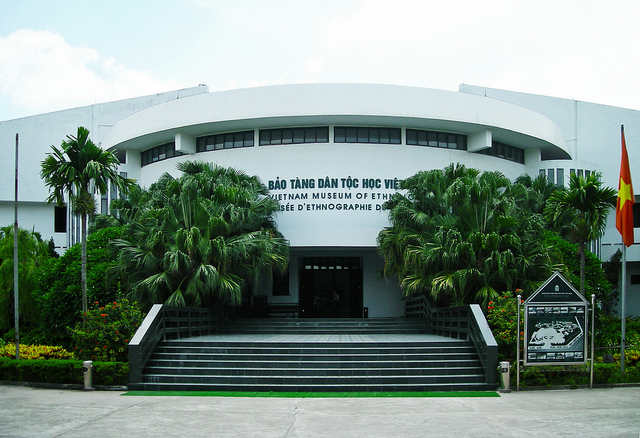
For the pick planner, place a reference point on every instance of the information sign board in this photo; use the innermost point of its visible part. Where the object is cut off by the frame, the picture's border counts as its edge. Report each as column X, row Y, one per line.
column 555, row 320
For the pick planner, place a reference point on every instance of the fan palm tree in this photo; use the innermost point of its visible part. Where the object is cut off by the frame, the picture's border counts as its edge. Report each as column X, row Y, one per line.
column 78, row 169
column 201, row 238
column 581, row 212
column 463, row 236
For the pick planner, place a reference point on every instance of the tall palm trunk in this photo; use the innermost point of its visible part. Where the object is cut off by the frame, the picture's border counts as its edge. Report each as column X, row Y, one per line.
column 83, row 268
column 583, row 265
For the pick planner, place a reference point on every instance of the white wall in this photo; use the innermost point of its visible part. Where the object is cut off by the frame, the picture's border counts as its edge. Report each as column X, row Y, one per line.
column 36, row 136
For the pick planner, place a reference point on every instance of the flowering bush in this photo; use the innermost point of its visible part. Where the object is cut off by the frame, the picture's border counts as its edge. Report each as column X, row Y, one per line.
column 106, row 330
column 502, row 318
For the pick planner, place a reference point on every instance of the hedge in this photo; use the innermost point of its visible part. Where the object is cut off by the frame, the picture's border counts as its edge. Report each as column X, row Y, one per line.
column 63, row 371
column 548, row 376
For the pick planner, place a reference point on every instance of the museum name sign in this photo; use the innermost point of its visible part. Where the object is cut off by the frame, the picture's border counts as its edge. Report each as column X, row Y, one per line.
column 332, row 193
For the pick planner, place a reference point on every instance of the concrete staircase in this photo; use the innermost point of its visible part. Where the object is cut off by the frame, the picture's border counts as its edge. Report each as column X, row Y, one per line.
column 316, row 355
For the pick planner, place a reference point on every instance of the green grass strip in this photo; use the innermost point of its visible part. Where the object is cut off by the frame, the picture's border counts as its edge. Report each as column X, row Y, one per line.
column 312, row 394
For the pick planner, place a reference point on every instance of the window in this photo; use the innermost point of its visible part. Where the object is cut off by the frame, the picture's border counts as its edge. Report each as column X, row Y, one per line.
column 560, row 175
column 331, row 263
column 104, row 203
column 60, row 219
column 294, row 135
column 230, row 140
column 506, row 152
column 159, row 153
column 345, row 134
column 121, row 156
column 417, row 137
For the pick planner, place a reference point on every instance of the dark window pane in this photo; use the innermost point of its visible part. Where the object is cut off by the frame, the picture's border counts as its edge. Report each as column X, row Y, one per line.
column 363, row 135
column 310, row 135
column 248, row 138
column 339, row 135
column 395, row 136
column 219, row 142
column 384, row 136
column 412, row 136
column 352, row 135
column 265, row 138
column 423, row 138
column 442, row 140
column 228, row 141
column 322, row 135
column 238, row 140
column 287, row 136
column 453, row 144
column 298, row 135
column 59, row 219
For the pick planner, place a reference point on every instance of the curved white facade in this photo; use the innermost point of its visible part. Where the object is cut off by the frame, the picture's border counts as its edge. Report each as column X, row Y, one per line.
column 346, row 212
column 331, row 186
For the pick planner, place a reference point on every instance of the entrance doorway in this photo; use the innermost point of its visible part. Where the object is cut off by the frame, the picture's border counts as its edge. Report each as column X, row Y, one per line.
column 331, row 287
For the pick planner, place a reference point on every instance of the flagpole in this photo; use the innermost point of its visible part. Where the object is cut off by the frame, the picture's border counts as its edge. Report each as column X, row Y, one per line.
column 623, row 315
column 16, row 294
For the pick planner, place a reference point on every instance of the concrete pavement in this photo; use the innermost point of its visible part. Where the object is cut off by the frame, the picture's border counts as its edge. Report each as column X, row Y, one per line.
column 601, row 412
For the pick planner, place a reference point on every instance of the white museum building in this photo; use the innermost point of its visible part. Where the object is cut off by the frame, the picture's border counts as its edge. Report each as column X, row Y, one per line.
column 331, row 154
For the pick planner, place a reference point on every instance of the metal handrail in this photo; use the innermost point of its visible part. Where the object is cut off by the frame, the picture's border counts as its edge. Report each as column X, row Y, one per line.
column 462, row 322
column 167, row 322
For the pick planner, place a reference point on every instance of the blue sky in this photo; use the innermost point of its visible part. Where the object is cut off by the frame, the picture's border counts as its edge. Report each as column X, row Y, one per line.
column 62, row 54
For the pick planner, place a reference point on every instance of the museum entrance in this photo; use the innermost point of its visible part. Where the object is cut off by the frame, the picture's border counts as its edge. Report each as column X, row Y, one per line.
column 331, row 287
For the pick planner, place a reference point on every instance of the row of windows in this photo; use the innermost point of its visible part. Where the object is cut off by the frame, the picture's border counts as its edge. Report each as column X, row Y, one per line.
column 345, row 134
column 294, row 135
column 504, row 151
column 342, row 134
column 225, row 141
column 159, row 153
column 436, row 139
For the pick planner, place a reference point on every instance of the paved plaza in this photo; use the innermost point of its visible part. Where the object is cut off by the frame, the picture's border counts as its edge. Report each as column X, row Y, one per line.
column 38, row 412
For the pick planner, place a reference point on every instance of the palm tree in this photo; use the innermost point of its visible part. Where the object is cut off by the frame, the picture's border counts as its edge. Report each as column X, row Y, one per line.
column 463, row 236
column 201, row 238
column 581, row 212
column 80, row 168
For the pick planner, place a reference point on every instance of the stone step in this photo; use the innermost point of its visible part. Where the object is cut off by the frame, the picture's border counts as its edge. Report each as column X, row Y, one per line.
column 365, row 364
column 366, row 387
column 267, row 381
column 297, row 371
column 290, row 354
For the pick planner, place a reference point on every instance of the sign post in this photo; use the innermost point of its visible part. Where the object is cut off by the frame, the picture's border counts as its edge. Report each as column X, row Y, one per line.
column 555, row 325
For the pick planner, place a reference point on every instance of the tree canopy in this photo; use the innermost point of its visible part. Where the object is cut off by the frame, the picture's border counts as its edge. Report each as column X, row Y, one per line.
column 463, row 236
column 77, row 169
column 580, row 212
column 200, row 238
column 32, row 252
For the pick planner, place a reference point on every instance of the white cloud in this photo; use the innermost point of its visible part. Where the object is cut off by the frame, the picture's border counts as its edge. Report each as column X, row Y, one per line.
column 40, row 71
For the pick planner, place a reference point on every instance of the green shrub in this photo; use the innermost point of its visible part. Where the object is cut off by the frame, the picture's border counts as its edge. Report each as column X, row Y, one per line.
column 59, row 286
column 35, row 352
column 59, row 371
column 105, row 333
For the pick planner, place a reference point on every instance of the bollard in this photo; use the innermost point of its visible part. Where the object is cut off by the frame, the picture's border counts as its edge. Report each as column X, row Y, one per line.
column 504, row 369
column 87, row 369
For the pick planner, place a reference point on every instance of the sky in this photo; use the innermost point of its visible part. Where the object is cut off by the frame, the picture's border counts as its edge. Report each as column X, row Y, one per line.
column 62, row 54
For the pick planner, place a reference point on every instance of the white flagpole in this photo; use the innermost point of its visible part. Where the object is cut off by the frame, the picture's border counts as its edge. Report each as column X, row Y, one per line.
column 16, row 311
column 623, row 315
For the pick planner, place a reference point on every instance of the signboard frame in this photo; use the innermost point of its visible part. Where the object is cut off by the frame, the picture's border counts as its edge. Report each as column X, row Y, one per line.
column 555, row 325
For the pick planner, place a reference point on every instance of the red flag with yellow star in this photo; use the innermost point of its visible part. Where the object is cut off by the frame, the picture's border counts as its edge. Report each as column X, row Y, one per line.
column 624, row 210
